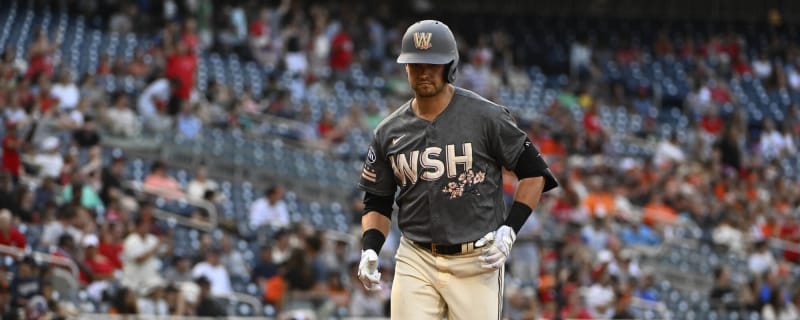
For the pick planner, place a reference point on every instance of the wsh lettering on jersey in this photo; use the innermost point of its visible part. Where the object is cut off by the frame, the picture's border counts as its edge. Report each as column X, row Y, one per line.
column 434, row 164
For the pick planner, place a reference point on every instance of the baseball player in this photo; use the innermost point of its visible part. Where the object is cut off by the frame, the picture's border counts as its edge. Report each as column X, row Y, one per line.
column 444, row 149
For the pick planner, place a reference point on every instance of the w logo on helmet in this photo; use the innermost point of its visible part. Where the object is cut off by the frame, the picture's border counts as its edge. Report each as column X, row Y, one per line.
column 422, row 40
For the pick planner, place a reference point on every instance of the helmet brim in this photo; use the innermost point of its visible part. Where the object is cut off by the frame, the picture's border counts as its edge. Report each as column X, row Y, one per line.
column 424, row 58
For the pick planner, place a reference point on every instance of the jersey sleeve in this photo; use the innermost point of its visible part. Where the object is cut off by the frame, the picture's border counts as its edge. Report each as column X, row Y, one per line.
column 377, row 176
column 507, row 141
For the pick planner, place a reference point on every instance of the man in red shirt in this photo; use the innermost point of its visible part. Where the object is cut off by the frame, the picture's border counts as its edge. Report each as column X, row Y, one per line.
column 9, row 235
column 101, row 268
column 11, row 159
column 341, row 52
column 181, row 66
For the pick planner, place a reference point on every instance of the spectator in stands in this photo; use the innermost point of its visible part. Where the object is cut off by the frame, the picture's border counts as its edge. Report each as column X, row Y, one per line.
column 793, row 304
column 232, row 259
column 270, row 210
column 299, row 274
column 727, row 235
column 773, row 143
column 645, row 288
column 112, row 178
column 86, row 136
column 573, row 308
column 269, row 275
column 600, row 297
column 111, row 237
column 181, row 65
column 265, row 268
column 159, row 182
column 596, row 234
column 354, row 120
column 56, row 224
column 723, row 293
column 334, row 259
column 151, row 301
column 365, row 303
column 337, row 292
column 12, row 163
column 622, row 308
column 176, row 304
column 761, row 259
column 140, row 261
column 69, row 249
column 189, row 125
column 638, row 233
column 49, row 160
column 668, row 152
column 119, row 118
column 100, row 273
column 341, row 54
column 213, row 269
column 152, row 105
column 180, row 270
column 9, row 235
column 207, row 306
column 762, row 66
column 78, row 192
column 326, row 129
column 40, row 55
column 23, row 206
column 728, row 147
column 66, row 92
column 7, row 310
column 315, row 249
column 199, row 184
column 124, row 302
column 624, row 267
column 26, row 282
column 778, row 308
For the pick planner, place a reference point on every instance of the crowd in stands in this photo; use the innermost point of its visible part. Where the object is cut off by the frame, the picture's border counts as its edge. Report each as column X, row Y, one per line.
column 720, row 167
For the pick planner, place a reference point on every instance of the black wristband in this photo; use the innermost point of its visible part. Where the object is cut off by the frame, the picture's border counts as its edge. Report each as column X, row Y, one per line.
column 517, row 216
column 373, row 239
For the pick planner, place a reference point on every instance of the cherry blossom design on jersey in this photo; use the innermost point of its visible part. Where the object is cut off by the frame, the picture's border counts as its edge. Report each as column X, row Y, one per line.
column 467, row 183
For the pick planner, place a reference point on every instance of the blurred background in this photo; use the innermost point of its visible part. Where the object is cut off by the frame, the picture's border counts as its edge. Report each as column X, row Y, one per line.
column 198, row 158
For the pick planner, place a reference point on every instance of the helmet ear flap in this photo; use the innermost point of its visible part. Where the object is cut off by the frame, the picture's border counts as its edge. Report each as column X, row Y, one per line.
column 450, row 71
column 451, row 68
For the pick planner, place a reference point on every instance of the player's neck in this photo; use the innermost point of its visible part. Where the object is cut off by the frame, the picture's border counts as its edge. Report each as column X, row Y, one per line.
column 429, row 108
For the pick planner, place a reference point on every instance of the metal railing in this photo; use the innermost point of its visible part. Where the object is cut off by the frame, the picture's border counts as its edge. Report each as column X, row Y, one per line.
column 657, row 307
column 42, row 257
column 238, row 297
column 213, row 215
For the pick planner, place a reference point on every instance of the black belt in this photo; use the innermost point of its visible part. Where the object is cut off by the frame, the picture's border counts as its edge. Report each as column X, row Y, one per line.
column 446, row 249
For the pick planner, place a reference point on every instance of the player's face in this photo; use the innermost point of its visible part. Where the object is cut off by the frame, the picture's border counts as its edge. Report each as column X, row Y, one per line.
column 427, row 80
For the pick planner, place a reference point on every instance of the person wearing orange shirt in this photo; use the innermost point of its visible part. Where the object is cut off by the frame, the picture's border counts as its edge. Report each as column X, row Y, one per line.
column 159, row 182
column 657, row 212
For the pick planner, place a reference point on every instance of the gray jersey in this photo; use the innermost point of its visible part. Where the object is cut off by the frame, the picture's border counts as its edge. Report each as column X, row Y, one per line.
column 448, row 170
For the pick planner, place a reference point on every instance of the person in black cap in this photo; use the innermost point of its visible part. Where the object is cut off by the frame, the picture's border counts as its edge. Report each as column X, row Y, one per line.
column 112, row 177
column 86, row 135
column 7, row 310
column 26, row 283
column 207, row 306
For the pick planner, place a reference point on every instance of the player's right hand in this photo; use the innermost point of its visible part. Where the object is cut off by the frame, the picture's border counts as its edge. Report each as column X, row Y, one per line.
column 368, row 270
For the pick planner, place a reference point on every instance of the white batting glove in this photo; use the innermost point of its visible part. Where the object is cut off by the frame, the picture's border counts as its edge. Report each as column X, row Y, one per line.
column 368, row 270
column 496, row 247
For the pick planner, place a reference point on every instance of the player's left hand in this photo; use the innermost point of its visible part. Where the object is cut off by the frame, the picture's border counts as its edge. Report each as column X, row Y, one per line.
column 368, row 270
column 496, row 247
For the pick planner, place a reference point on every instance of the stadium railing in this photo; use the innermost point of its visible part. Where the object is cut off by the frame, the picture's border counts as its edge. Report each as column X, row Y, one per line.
column 41, row 257
column 213, row 215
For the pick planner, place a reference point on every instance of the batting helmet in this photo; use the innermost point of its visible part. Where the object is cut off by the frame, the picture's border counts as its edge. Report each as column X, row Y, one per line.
column 430, row 42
